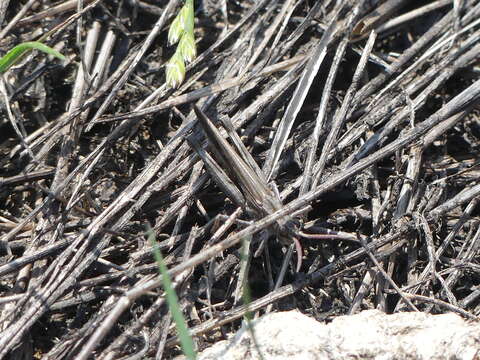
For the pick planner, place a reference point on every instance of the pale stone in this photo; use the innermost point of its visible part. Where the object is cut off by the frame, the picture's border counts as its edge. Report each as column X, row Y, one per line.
column 368, row 335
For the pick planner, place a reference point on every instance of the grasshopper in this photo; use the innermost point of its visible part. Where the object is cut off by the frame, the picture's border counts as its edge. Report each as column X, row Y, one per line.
column 238, row 175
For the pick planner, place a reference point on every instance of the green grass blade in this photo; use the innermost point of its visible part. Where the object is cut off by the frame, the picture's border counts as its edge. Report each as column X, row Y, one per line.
column 247, row 298
column 186, row 341
column 15, row 54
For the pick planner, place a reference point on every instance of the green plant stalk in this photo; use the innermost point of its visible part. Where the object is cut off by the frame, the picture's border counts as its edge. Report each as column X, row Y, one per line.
column 15, row 54
column 186, row 341
column 247, row 299
column 182, row 32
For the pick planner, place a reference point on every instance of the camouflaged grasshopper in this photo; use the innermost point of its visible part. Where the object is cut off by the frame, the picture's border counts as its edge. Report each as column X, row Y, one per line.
column 237, row 174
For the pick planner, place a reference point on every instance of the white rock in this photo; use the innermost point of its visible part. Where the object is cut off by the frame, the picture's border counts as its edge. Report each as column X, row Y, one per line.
column 368, row 335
